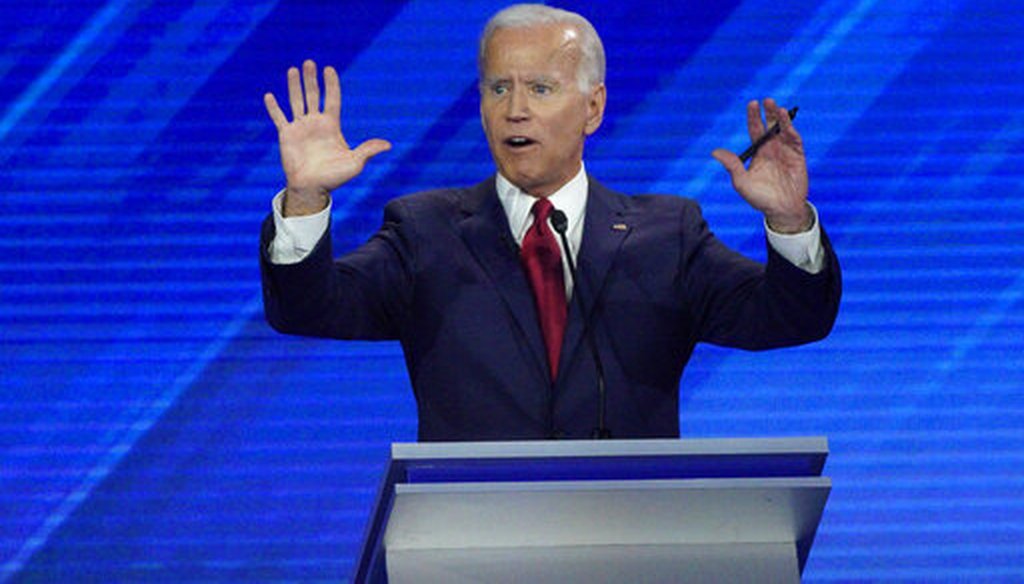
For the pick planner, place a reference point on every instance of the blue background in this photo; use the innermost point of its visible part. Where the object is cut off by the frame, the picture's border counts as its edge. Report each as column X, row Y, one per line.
column 153, row 427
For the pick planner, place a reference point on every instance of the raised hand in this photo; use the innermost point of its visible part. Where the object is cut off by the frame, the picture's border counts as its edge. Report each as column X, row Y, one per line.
column 314, row 154
column 776, row 182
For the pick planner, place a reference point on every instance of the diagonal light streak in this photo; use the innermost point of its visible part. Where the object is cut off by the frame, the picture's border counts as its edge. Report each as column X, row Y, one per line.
column 42, row 84
column 797, row 75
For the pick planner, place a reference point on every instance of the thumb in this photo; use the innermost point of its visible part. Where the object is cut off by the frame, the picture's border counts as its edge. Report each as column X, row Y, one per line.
column 730, row 161
column 371, row 148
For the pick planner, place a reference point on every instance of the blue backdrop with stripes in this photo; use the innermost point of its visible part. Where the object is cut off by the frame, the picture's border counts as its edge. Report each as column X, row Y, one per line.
column 154, row 428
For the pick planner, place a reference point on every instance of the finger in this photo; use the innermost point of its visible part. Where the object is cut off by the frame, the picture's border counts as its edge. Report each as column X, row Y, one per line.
column 788, row 127
column 332, row 96
column 309, row 83
column 730, row 161
column 755, row 126
column 780, row 115
column 274, row 110
column 790, row 132
column 772, row 112
column 371, row 148
column 295, row 93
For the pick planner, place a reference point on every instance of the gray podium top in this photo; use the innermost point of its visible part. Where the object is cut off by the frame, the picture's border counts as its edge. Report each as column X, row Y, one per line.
column 609, row 448
column 610, row 459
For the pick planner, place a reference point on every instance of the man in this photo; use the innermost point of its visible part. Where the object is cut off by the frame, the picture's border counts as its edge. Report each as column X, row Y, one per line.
column 500, row 341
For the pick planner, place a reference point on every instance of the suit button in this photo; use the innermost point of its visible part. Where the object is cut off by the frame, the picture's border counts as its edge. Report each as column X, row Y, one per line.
column 557, row 434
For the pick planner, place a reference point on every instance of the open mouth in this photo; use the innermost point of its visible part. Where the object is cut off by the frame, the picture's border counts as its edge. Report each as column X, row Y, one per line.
column 519, row 142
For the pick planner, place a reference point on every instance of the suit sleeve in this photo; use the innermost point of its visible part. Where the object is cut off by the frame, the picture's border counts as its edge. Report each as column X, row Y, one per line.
column 738, row 302
column 365, row 294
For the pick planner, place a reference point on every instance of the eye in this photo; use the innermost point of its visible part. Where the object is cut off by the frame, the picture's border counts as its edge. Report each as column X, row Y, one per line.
column 543, row 89
column 499, row 89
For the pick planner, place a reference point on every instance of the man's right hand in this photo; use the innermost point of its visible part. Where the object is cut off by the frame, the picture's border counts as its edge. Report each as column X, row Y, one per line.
column 315, row 156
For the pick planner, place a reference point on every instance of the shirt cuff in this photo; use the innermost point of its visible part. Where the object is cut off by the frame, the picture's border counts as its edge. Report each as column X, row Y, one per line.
column 295, row 237
column 804, row 249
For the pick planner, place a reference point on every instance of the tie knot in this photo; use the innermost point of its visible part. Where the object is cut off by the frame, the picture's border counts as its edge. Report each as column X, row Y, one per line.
column 542, row 209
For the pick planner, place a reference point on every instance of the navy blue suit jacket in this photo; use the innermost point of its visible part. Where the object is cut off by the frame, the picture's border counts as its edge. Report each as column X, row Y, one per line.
column 442, row 275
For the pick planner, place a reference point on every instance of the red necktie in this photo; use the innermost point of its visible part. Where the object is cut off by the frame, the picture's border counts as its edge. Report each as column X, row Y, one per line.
column 542, row 261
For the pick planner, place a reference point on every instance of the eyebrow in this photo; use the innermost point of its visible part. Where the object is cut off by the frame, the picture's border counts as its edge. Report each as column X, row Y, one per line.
column 542, row 79
column 527, row 79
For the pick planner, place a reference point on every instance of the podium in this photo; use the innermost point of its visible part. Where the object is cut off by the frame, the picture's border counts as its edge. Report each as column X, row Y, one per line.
column 707, row 510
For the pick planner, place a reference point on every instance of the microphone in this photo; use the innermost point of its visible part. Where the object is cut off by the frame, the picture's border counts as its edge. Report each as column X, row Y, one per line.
column 508, row 242
column 560, row 223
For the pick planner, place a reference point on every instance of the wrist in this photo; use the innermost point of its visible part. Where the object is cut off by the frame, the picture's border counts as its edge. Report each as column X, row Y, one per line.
column 299, row 202
column 788, row 224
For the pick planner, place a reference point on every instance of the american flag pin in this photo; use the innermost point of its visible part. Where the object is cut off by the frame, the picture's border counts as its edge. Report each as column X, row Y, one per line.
column 619, row 227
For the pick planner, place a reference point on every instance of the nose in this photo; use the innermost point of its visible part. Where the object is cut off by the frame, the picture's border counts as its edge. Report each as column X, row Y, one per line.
column 518, row 105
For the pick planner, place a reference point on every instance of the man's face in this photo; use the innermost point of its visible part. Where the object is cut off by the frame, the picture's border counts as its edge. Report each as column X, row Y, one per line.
column 533, row 112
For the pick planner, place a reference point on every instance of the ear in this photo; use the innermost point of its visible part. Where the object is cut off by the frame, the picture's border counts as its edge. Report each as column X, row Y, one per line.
column 595, row 108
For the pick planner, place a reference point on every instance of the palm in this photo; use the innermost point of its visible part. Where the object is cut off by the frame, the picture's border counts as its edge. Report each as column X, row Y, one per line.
column 776, row 182
column 777, row 176
column 314, row 154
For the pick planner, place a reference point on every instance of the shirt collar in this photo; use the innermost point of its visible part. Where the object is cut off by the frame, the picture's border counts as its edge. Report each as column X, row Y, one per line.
column 571, row 199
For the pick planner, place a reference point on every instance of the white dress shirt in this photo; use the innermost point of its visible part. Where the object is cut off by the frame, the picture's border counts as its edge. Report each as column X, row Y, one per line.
column 296, row 237
column 571, row 199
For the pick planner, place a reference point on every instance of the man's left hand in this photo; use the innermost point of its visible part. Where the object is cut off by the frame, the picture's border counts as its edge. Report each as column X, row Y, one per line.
column 776, row 182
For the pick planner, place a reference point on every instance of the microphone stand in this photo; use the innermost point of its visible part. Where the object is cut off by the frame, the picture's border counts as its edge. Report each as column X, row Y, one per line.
column 561, row 223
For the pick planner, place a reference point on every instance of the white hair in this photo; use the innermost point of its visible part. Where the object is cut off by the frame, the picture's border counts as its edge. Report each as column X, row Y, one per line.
column 590, row 69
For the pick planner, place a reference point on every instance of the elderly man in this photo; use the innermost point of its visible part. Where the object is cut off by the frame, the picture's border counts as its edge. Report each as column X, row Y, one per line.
column 501, row 340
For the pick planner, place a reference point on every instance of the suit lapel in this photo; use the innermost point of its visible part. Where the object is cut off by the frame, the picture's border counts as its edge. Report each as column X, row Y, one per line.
column 485, row 231
column 605, row 228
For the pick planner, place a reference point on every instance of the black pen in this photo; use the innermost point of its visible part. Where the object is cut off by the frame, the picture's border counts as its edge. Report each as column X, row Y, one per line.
column 774, row 130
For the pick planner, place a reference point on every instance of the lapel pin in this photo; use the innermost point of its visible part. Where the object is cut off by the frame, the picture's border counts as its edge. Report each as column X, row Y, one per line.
column 619, row 227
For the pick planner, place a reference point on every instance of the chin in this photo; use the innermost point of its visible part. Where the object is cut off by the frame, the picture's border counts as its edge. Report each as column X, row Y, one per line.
column 523, row 180
column 530, row 185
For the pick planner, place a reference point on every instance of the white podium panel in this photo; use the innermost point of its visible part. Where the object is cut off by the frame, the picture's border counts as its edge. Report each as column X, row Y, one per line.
column 701, row 530
column 658, row 564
